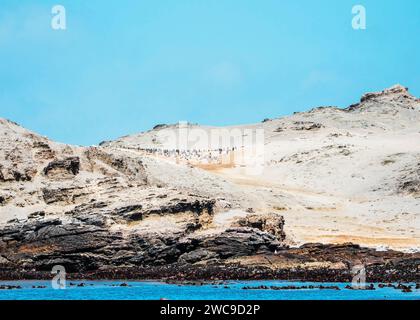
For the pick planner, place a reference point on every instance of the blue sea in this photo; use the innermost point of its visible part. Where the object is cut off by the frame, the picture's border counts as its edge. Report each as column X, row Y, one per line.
column 230, row 290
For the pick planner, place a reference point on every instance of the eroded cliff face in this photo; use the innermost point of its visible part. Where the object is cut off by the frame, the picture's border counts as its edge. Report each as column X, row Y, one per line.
column 98, row 209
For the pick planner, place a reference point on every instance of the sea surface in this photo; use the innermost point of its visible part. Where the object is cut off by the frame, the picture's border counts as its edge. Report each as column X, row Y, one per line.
column 230, row 290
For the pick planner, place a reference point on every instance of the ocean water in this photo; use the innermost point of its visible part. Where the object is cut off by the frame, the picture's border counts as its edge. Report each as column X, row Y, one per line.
column 230, row 290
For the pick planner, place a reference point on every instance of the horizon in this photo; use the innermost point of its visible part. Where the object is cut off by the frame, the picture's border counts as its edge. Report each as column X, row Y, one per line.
column 122, row 68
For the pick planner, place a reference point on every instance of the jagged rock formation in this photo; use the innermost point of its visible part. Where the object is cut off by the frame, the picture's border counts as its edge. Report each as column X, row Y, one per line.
column 88, row 245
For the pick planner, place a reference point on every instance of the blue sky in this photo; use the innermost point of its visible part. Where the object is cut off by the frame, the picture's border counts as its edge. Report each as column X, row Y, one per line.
column 123, row 66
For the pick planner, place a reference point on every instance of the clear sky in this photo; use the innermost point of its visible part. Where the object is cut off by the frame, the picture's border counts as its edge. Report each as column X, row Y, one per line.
column 123, row 66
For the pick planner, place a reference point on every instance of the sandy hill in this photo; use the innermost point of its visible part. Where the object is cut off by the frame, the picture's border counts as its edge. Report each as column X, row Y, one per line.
column 336, row 174
column 328, row 176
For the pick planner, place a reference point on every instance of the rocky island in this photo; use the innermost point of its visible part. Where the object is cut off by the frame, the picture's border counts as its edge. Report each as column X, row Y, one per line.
column 336, row 188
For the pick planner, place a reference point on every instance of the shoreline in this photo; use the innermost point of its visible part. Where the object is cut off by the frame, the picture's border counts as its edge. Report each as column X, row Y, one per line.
column 179, row 274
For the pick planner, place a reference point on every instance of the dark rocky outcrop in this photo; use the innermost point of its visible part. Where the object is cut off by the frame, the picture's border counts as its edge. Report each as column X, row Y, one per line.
column 83, row 247
column 88, row 244
column 69, row 166
column 397, row 90
column 270, row 223
column 4, row 198
column 237, row 242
